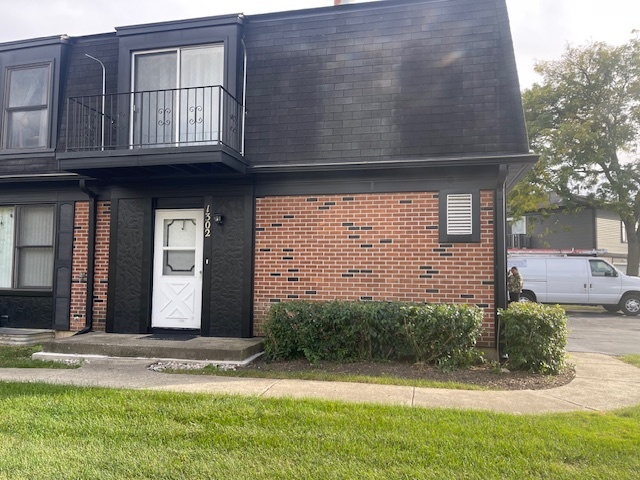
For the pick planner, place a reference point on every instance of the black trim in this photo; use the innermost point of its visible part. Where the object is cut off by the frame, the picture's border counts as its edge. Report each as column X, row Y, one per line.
column 391, row 180
column 246, row 329
column 91, row 256
column 500, row 250
column 111, row 278
column 5, row 292
column 442, row 217
column 62, row 277
column 207, row 248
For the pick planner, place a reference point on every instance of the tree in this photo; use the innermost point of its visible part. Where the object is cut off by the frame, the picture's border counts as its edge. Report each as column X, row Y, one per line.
column 584, row 121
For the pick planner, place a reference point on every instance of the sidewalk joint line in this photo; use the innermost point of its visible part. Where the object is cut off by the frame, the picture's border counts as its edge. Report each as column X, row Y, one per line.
column 279, row 380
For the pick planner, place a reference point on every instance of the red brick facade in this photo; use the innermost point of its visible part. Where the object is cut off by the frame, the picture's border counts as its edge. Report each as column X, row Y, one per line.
column 79, row 268
column 369, row 247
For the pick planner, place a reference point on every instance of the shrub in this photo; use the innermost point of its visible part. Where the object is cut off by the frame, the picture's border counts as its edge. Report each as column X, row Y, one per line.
column 534, row 336
column 445, row 334
column 349, row 331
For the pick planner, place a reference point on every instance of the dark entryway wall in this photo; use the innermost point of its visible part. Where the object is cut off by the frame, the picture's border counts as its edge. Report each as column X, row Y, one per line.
column 227, row 284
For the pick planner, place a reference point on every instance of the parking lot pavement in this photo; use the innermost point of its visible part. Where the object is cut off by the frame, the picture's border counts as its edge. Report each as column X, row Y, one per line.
column 603, row 332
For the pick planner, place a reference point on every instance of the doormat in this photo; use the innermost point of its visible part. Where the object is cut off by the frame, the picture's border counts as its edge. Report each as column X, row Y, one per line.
column 168, row 336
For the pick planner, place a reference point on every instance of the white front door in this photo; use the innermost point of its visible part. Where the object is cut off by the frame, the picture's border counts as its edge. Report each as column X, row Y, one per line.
column 177, row 269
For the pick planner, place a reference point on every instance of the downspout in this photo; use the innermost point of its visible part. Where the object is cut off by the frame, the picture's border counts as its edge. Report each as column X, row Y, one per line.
column 91, row 249
column 500, row 239
column 244, row 93
column 104, row 96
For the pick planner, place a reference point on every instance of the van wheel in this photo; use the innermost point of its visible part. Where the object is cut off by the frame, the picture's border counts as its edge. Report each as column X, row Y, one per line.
column 527, row 297
column 611, row 308
column 631, row 304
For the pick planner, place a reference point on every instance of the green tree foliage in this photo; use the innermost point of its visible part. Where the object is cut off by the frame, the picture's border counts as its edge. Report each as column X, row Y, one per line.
column 584, row 121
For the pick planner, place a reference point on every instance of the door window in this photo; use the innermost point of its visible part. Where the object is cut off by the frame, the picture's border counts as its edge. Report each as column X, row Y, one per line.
column 179, row 247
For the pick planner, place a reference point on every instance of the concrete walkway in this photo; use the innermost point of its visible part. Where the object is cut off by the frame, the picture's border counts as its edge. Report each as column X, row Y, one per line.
column 602, row 383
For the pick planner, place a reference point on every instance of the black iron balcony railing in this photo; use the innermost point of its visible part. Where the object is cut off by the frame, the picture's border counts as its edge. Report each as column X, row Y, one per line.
column 151, row 119
column 518, row 240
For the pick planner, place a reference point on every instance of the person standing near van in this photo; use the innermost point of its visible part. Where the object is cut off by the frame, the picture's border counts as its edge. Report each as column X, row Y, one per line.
column 514, row 284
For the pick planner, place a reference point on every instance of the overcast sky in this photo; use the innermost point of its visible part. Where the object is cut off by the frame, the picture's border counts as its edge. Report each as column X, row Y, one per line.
column 541, row 29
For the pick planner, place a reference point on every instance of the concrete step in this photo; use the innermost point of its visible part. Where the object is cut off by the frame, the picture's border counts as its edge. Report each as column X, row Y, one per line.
column 157, row 346
column 24, row 336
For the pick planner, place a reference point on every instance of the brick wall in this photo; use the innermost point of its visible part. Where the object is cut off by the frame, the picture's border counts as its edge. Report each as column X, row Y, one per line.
column 101, row 277
column 368, row 247
column 79, row 268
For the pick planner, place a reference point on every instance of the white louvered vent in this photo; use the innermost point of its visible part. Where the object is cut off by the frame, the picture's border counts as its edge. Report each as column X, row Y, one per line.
column 459, row 214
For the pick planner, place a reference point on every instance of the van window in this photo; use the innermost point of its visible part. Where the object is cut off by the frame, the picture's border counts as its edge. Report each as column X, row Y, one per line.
column 600, row 268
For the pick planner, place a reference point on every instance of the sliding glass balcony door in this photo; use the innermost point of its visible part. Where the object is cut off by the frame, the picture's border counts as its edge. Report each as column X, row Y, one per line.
column 176, row 96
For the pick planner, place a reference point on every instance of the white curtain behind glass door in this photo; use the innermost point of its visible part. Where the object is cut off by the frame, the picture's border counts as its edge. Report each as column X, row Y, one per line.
column 200, row 68
column 154, row 103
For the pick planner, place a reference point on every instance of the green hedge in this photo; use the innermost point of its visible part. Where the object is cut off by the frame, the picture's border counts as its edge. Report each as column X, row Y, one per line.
column 351, row 331
column 534, row 336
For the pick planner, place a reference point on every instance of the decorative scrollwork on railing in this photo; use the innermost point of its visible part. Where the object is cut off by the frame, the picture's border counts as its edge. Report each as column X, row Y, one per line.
column 233, row 123
column 164, row 112
column 193, row 121
column 196, row 108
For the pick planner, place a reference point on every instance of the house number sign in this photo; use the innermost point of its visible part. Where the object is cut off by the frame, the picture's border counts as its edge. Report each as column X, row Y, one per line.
column 207, row 222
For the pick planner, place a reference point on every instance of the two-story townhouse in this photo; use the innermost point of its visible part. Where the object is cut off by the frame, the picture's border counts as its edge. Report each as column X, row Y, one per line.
column 199, row 171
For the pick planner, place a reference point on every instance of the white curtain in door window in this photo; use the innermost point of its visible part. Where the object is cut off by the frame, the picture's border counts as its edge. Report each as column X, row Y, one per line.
column 35, row 247
column 7, row 215
column 201, row 74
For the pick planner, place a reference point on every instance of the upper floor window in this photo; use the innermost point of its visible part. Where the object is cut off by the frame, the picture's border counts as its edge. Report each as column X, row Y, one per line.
column 26, row 246
column 178, row 95
column 26, row 112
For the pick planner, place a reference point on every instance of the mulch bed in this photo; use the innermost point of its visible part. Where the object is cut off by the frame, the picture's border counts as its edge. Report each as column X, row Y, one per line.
column 482, row 375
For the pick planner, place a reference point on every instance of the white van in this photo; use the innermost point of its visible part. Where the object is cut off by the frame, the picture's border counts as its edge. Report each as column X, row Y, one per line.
column 577, row 280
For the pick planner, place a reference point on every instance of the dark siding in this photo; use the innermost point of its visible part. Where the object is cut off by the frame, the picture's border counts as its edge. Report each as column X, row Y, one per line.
column 63, row 265
column 228, row 317
column 129, row 275
column 53, row 50
column 563, row 230
column 383, row 81
column 84, row 76
column 24, row 311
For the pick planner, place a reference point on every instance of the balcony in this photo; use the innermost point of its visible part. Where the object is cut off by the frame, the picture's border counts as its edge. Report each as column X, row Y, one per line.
column 518, row 240
column 126, row 131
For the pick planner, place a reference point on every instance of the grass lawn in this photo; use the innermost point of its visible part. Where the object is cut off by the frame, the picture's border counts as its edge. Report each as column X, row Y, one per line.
column 49, row 431
column 20, row 357
column 632, row 359
column 326, row 377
